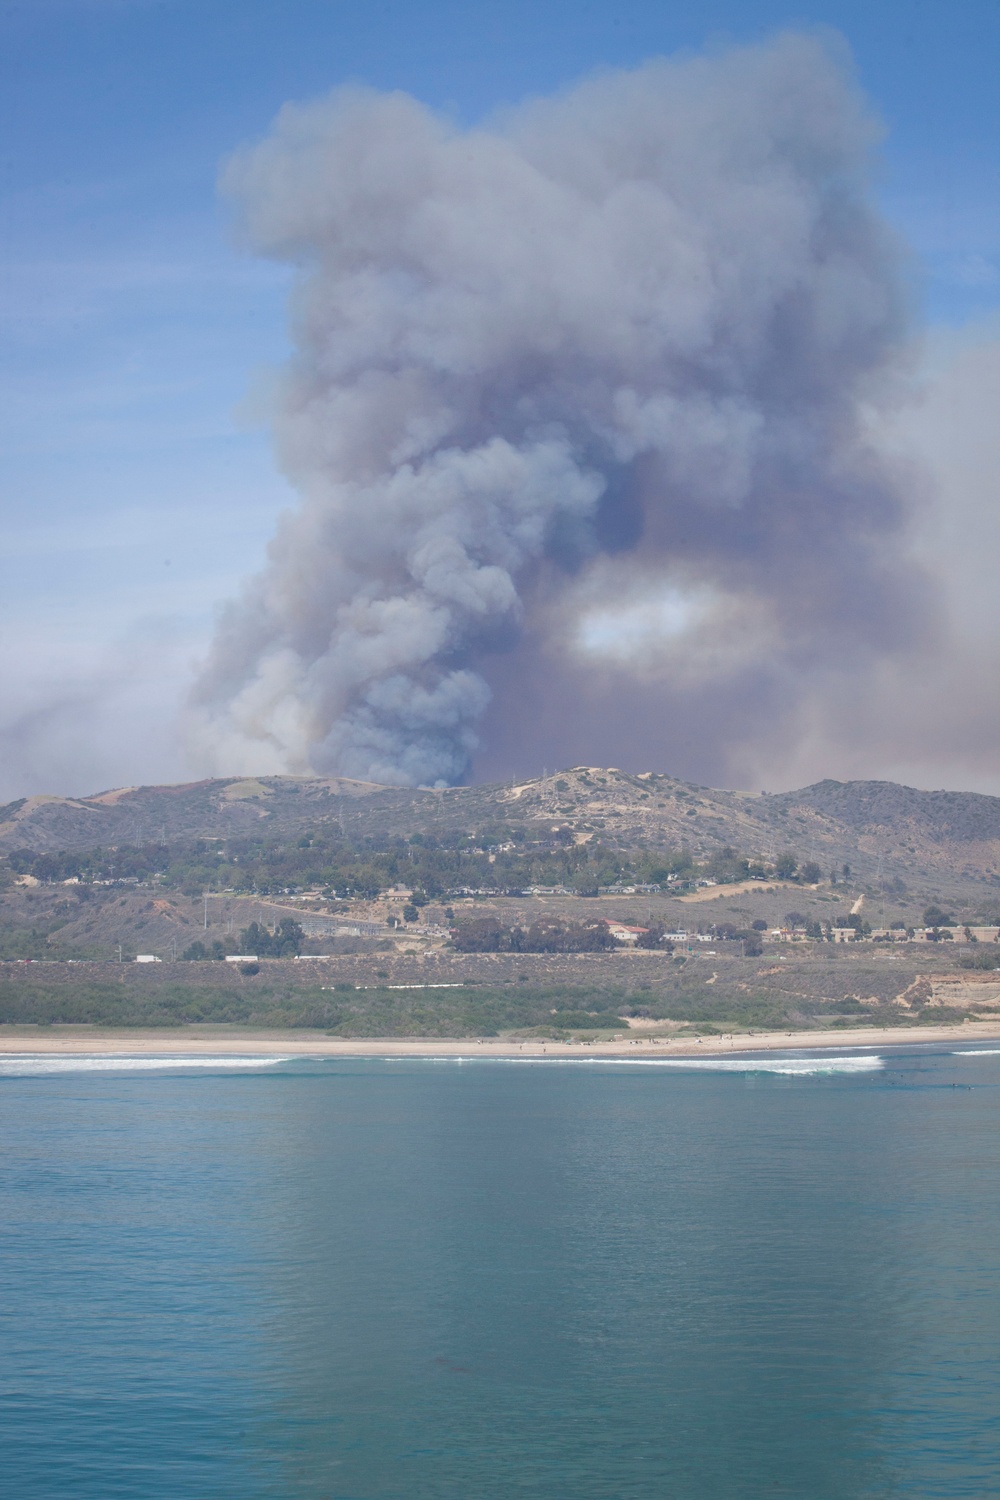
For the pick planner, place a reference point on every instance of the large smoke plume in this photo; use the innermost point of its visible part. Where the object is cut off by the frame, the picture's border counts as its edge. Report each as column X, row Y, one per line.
column 577, row 414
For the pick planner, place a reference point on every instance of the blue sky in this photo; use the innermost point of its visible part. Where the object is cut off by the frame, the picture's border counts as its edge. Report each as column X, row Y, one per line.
column 136, row 488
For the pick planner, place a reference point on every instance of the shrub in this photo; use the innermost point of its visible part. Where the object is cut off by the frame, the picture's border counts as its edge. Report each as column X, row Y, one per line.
column 573, row 1020
column 547, row 935
column 981, row 960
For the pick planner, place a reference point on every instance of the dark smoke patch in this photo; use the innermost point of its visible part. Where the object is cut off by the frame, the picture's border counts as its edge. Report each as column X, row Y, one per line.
column 577, row 415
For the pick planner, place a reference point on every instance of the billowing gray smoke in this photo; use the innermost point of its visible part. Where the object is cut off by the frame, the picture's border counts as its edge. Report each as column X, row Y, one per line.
column 577, row 417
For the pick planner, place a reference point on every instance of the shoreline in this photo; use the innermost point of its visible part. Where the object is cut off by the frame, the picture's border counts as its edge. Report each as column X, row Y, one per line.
column 235, row 1042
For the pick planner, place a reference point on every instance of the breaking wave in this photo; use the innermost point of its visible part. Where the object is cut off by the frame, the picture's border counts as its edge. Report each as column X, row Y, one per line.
column 791, row 1066
column 29, row 1063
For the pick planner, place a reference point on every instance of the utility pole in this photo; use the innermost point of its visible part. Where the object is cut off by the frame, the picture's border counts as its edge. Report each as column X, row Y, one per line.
column 119, row 952
column 205, row 895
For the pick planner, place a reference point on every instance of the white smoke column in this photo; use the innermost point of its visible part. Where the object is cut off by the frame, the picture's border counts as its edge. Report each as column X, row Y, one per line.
column 636, row 322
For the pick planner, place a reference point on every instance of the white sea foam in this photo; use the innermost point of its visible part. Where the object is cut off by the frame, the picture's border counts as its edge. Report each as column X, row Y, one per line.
column 20, row 1065
column 979, row 1052
column 799, row 1067
column 792, row 1066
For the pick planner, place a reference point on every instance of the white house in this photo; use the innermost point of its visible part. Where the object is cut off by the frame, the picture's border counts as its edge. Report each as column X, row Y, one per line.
column 623, row 933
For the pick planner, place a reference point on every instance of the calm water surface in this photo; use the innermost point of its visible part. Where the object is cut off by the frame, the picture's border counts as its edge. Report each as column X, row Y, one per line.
column 444, row 1281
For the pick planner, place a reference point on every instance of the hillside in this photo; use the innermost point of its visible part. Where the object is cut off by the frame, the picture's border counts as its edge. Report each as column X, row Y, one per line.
column 944, row 839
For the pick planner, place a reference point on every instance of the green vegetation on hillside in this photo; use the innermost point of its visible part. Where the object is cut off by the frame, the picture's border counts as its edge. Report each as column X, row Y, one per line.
column 545, row 935
column 498, row 858
column 741, row 997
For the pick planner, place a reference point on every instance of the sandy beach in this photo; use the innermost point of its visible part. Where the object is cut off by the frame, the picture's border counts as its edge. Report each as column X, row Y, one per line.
column 232, row 1041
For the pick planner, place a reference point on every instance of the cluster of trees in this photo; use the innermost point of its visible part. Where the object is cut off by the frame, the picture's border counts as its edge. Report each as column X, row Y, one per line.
column 983, row 959
column 198, row 951
column 814, row 929
column 749, row 938
column 363, row 868
column 284, row 941
column 495, row 858
column 139, row 864
column 547, row 935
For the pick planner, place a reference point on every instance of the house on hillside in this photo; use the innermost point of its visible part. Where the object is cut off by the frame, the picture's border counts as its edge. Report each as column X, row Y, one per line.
column 622, row 933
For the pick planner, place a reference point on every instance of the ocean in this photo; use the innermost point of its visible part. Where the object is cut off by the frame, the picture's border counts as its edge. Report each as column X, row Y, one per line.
column 467, row 1280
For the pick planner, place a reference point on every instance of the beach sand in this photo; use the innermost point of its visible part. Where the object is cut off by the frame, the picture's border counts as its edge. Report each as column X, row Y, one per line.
column 234, row 1041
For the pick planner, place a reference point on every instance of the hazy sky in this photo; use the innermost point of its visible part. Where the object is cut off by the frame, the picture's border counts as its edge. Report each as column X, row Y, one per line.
column 140, row 338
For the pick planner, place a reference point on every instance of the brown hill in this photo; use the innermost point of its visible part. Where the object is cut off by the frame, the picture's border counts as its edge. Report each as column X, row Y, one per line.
column 945, row 838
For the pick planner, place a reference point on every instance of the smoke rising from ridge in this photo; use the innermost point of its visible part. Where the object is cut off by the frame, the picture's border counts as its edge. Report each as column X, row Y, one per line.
column 577, row 414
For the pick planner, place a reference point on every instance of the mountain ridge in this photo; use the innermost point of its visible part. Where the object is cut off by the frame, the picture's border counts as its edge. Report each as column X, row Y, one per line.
column 880, row 827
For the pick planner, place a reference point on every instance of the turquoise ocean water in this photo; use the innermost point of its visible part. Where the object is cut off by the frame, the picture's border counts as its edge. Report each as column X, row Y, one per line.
column 446, row 1281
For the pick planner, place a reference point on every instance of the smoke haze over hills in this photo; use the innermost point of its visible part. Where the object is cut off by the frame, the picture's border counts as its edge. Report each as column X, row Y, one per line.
column 579, row 416
column 651, row 422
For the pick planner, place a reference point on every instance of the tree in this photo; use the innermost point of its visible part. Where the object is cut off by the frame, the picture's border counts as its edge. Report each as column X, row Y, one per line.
column 653, row 937
column 198, row 951
column 289, row 939
column 285, row 941
column 725, row 931
column 483, row 935
column 726, row 865
column 547, row 935
column 811, row 873
column 935, row 917
column 785, row 866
